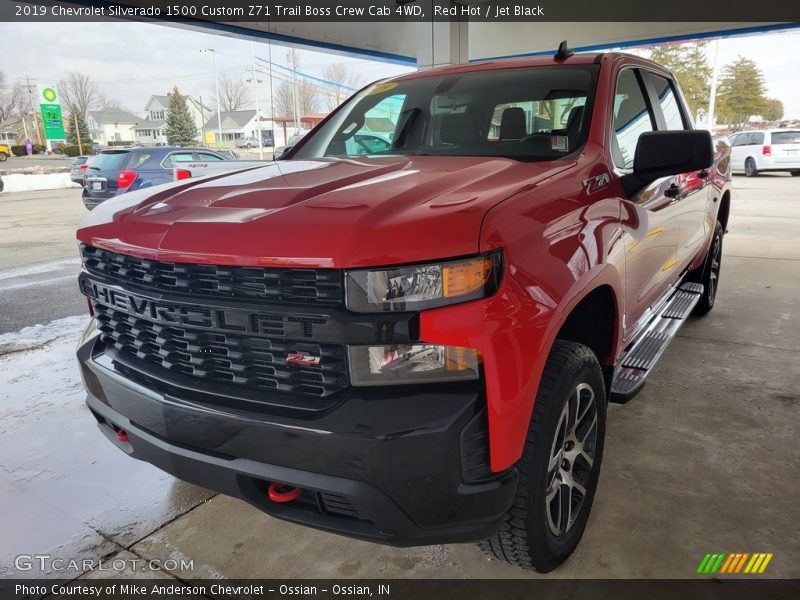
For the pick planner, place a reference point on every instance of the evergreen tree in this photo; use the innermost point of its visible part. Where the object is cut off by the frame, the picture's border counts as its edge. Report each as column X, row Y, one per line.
column 689, row 65
column 741, row 91
column 181, row 130
column 83, row 129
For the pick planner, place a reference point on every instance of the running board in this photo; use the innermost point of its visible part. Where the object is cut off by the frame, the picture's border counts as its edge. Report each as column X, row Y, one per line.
column 636, row 364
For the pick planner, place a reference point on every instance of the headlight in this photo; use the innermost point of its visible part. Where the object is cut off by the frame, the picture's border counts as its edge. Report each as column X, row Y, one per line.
column 411, row 363
column 418, row 287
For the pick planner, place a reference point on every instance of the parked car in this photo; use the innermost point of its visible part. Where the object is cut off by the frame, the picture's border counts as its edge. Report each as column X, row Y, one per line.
column 290, row 143
column 754, row 152
column 5, row 152
column 117, row 171
column 417, row 346
column 78, row 168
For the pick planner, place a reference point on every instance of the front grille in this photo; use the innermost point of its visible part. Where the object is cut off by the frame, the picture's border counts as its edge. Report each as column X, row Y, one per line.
column 224, row 358
column 259, row 284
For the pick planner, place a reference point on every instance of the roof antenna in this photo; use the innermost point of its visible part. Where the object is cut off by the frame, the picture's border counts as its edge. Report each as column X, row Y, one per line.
column 563, row 51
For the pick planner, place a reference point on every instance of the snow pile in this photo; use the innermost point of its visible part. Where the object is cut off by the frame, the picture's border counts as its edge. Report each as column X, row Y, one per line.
column 36, row 336
column 24, row 182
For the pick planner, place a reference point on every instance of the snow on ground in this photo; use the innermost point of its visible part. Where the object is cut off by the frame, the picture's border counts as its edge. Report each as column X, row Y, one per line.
column 32, row 182
column 36, row 336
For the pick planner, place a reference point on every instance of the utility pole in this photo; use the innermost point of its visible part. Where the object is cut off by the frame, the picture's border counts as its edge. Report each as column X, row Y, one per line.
column 32, row 108
column 294, row 62
column 712, row 97
column 255, row 93
column 216, row 84
column 203, row 120
column 77, row 132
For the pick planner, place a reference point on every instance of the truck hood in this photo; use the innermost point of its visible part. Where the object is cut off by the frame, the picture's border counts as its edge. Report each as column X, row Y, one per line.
column 316, row 213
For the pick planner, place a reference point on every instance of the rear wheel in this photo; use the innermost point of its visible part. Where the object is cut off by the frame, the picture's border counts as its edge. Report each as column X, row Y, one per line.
column 750, row 168
column 560, row 464
column 3, row 156
column 708, row 274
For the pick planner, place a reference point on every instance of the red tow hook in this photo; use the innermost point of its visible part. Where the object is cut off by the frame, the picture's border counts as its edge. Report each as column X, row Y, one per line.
column 121, row 435
column 280, row 492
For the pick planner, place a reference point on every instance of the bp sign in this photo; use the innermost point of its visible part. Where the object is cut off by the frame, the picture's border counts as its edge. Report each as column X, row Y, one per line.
column 50, row 106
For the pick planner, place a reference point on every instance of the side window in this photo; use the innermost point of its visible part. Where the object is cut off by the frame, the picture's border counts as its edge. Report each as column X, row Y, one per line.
column 208, row 157
column 176, row 157
column 735, row 140
column 138, row 159
column 632, row 118
column 669, row 102
column 757, row 138
column 382, row 119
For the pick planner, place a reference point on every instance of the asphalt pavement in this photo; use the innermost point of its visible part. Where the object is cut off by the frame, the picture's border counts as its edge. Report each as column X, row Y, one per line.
column 39, row 261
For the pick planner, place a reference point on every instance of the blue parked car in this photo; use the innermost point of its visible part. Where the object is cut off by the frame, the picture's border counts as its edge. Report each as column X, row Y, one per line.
column 115, row 171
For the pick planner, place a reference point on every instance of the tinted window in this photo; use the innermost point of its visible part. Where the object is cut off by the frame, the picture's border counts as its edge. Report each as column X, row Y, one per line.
column 108, row 160
column 756, row 138
column 80, row 160
column 786, row 137
column 631, row 119
column 519, row 113
column 208, row 156
column 668, row 101
column 176, row 157
column 138, row 159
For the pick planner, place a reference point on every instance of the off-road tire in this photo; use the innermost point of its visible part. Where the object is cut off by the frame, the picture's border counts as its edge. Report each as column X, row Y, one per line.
column 708, row 274
column 524, row 538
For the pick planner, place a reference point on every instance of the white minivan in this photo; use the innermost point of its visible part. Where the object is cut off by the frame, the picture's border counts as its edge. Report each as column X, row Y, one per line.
column 766, row 150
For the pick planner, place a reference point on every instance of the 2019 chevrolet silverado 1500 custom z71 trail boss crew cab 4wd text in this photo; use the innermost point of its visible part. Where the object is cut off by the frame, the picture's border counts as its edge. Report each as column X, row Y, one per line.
column 414, row 345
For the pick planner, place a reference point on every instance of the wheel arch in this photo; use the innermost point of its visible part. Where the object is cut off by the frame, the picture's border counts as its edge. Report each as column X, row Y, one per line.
column 593, row 320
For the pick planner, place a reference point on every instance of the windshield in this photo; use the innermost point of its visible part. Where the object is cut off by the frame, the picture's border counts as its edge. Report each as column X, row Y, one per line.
column 522, row 113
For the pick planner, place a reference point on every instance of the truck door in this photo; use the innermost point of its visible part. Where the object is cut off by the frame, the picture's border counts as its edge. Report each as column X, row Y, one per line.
column 650, row 219
column 691, row 191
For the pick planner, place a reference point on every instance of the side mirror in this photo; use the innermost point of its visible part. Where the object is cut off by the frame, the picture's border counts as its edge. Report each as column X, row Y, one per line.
column 282, row 152
column 664, row 153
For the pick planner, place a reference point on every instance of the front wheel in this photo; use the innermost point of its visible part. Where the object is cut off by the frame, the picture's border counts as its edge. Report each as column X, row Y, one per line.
column 708, row 273
column 560, row 464
column 750, row 169
column 3, row 157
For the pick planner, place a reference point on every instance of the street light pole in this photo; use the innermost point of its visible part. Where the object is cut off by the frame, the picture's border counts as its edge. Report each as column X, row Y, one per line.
column 255, row 93
column 216, row 84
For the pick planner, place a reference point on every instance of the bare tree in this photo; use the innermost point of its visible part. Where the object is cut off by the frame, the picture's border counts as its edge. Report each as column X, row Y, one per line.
column 79, row 92
column 307, row 99
column 13, row 98
column 105, row 101
column 344, row 82
column 234, row 94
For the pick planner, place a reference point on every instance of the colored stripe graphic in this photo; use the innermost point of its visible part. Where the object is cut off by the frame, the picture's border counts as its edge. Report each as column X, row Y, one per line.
column 735, row 562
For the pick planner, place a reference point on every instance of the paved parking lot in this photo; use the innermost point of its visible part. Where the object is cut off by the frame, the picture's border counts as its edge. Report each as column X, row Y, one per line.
column 705, row 459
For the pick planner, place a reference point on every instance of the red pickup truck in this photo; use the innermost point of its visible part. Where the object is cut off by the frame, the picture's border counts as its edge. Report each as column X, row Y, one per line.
column 415, row 341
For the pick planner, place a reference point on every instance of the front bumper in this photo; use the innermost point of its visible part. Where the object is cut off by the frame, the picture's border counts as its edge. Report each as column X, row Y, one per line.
column 386, row 465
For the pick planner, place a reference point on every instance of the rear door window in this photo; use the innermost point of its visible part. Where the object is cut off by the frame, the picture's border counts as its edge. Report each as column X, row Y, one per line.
column 138, row 160
column 756, row 138
column 632, row 118
column 668, row 101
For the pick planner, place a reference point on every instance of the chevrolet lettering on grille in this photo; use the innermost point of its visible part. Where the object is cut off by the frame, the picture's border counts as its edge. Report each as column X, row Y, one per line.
column 189, row 315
